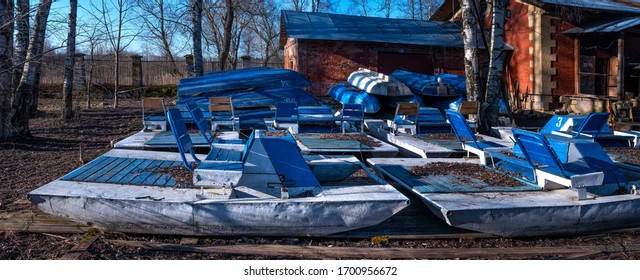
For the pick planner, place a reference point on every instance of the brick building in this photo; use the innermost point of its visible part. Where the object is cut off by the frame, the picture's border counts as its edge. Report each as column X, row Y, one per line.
column 582, row 48
column 326, row 48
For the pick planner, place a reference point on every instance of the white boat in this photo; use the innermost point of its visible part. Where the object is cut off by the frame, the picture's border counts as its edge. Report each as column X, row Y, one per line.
column 516, row 211
column 377, row 83
column 131, row 191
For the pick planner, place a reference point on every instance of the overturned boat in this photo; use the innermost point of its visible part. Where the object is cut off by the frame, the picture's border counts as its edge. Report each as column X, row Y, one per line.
column 377, row 83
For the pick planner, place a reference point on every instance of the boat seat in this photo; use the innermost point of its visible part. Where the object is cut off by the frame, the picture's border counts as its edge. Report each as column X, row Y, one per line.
column 548, row 167
column 222, row 113
column 590, row 127
column 352, row 113
column 201, row 122
column 467, row 137
column 406, row 117
column 286, row 116
column 223, row 165
column 153, row 113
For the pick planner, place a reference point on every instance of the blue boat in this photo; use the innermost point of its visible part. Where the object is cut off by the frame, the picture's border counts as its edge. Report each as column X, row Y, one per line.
column 425, row 84
column 241, row 80
column 459, row 83
column 257, row 98
column 345, row 93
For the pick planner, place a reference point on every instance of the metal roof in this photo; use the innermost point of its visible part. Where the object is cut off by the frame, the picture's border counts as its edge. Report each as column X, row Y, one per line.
column 624, row 6
column 607, row 26
column 334, row 27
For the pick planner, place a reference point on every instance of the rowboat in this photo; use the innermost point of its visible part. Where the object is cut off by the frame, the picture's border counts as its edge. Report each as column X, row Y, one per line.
column 377, row 83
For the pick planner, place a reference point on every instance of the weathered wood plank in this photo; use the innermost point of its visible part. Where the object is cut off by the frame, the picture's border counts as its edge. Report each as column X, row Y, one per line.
column 81, row 170
column 84, row 244
column 31, row 222
column 136, row 172
column 316, row 252
column 122, row 174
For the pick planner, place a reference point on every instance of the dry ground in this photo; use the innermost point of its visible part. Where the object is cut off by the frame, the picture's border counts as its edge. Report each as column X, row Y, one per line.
column 54, row 151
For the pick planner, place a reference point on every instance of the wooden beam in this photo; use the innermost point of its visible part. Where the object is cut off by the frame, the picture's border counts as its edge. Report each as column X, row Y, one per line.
column 621, row 65
column 84, row 244
column 38, row 222
column 317, row 252
column 576, row 65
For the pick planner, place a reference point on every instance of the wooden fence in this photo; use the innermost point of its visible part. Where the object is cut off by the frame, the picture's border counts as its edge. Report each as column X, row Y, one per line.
column 156, row 73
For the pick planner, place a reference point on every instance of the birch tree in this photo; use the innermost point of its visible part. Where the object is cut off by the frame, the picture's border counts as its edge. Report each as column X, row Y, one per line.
column 67, row 90
column 6, row 63
column 23, row 97
column 469, row 38
column 22, row 38
column 497, row 55
column 196, row 25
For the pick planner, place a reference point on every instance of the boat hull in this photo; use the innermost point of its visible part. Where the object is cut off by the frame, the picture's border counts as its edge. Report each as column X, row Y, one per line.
column 523, row 213
column 153, row 210
column 349, row 94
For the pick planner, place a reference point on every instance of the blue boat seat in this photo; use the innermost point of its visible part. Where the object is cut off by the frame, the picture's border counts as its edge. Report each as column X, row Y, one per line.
column 201, row 122
column 286, row 116
column 222, row 166
column 222, row 113
column 590, row 127
column 549, row 170
column 153, row 113
column 352, row 112
column 467, row 137
column 406, row 117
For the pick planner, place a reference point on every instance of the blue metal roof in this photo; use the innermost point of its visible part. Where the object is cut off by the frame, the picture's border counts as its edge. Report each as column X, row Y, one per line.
column 607, row 26
column 624, row 6
column 334, row 27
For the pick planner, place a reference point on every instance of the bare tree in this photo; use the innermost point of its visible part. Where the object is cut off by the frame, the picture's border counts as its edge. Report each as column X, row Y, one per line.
column 228, row 25
column 386, row 6
column 161, row 21
column 196, row 25
column 363, row 5
column 115, row 17
column 301, row 5
column 266, row 26
column 92, row 36
column 22, row 38
column 67, row 90
column 21, row 107
column 6, row 63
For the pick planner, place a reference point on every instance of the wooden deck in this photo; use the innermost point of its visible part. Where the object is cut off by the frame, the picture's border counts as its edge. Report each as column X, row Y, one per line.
column 120, row 170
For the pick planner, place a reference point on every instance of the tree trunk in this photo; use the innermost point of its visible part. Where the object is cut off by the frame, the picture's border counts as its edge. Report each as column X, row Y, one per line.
column 196, row 22
column 67, row 112
column 228, row 26
column 469, row 37
column 494, row 77
column 6, row 77
column 21, row 107
column 116, row 82
column 22, row 39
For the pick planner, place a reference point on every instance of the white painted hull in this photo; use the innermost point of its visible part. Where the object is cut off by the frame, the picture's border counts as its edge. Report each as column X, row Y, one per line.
column 173, row 211
column 527, row 213
column 377, row 83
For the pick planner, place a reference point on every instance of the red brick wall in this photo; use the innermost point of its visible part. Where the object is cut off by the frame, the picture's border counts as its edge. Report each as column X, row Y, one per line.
column 326, row 63
column 565, row 77
column 517, row 32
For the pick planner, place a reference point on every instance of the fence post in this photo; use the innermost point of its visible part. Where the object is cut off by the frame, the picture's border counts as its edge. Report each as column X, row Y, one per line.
column 191, row 71
column 79, row 74
column 246, row 61
column 136, row 70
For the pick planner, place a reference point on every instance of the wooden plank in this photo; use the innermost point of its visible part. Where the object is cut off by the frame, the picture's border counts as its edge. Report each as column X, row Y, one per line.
column 84, row 244
column 123, row 173
column 97, row 172
column 136, row 172
column 165, row 179
column 146, row 172
column 155, row 174
column 124, row 163
column 317, row 252
column 86, row 170
column 38, row 222
column 82, row 169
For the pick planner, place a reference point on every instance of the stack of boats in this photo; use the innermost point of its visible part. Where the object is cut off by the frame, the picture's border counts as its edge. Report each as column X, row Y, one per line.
column 271, row 183
column 373, row 89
